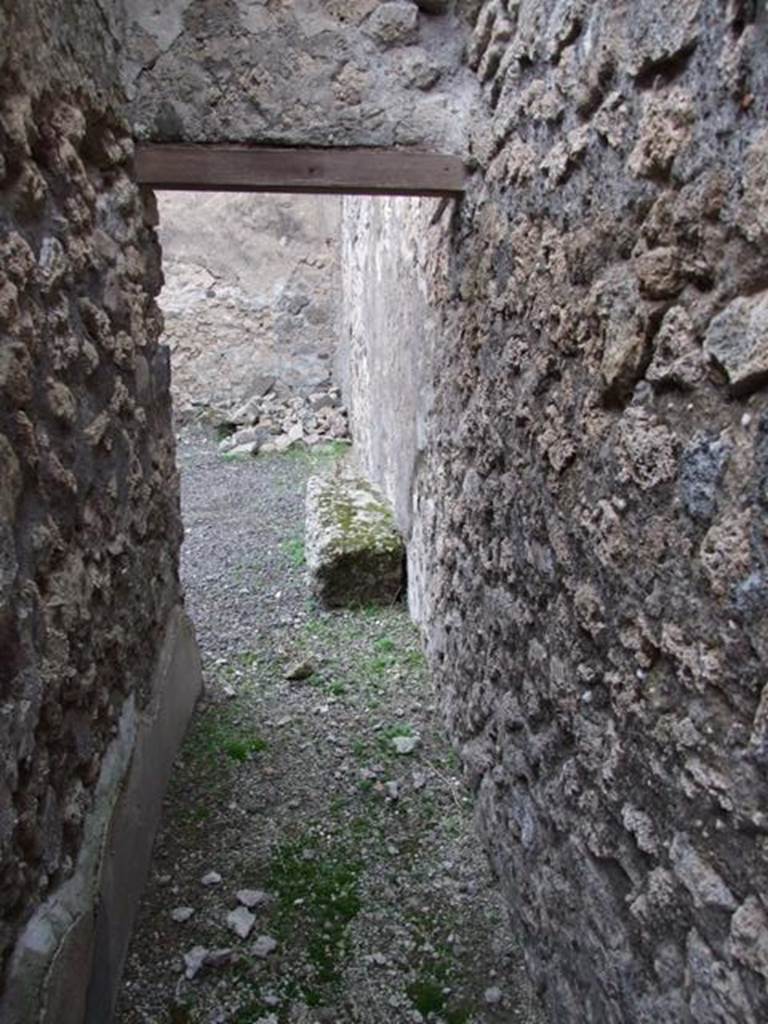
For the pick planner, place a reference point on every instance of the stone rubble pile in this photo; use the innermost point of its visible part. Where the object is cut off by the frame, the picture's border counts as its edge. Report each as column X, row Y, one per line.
column 281, row 417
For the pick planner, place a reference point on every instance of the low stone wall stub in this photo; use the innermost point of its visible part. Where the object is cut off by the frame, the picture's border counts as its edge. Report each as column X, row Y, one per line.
column 176, row 687
column 68, row 960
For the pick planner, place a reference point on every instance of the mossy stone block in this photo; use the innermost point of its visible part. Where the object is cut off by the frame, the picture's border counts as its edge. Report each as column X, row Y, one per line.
column 354, row 552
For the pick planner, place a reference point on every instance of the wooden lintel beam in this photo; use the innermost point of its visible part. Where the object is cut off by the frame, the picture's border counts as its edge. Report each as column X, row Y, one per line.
column 231, row 168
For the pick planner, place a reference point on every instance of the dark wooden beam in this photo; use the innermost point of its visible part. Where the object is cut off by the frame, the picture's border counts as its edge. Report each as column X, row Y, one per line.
column 230, row 168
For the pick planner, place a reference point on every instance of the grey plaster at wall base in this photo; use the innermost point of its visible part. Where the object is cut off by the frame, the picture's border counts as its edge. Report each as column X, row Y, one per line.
column 68, row 960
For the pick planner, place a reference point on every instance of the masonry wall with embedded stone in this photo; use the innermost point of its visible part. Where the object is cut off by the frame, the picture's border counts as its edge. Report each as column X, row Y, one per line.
column 250, row 293
column 591, row 491
column 89, row 516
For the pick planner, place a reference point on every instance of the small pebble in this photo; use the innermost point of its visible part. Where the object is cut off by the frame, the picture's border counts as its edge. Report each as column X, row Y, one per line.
column 263, row 946
column 194, row 960
column 405, row 744
column 492, row 995
column 182, row 914
column 219, row 957
column 251, row 897
column 241, row 922
column 211, row 878
column 299, row 670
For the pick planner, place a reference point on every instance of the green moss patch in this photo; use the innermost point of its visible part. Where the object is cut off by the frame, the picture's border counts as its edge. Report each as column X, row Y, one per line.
column 318, row 892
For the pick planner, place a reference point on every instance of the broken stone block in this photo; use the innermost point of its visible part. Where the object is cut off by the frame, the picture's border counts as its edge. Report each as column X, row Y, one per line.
column 660, row 272
column 419, row 70
column 749, row 936
column 701, row 471
column 353, row 550
column 616, row 301
column 199, row 957
column 255, row 436
column 737, row 340
column 677, row 359
column 248, row 412
column 701, row 880
column 655, row 36
column 394, row 23
column 665, row 128
column 242, row 451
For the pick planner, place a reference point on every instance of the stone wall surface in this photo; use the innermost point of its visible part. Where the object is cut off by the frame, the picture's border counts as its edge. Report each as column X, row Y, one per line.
column 572, row 367
column 250, row 294
column 89, row 518
column 393, row 263
column 298, row 72
column 591, row 496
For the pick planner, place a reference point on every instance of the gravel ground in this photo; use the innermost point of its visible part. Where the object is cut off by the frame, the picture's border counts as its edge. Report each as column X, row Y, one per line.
column 324, row 817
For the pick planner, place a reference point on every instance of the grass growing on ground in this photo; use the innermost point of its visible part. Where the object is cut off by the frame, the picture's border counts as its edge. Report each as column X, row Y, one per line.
column 247, row 571
column 399, row 729
column 218, row 732
column 438, row 976
column 316, row 456
column 240, row 748
column 318, row 893
column 376, row 655
column 293, row 549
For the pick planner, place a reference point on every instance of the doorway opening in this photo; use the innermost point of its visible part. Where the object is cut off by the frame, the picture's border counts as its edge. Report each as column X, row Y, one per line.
column 317, row 859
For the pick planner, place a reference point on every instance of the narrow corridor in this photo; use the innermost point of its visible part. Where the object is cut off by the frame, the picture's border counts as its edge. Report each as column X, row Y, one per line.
column 323, row 817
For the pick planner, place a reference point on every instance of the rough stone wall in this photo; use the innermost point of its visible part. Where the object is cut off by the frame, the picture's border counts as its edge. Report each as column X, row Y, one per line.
column 389, row 326
column 89, row 521
column 593, row 496
column 303, row 72
column 251, row 290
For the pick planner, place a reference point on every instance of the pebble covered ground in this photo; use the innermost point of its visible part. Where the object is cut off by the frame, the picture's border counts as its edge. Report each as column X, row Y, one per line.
column 317, row 860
